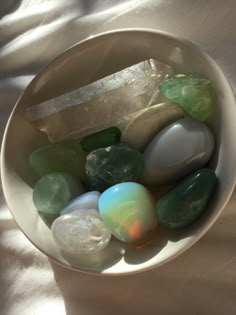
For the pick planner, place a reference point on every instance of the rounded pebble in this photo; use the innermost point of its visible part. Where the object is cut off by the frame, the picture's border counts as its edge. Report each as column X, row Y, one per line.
column 81, row 232
column 54, row 191
column 128, row 210
column 88, row 200
column 180, row 148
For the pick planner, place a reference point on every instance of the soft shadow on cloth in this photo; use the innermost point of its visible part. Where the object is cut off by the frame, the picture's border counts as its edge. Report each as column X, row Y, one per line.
column 202, row 281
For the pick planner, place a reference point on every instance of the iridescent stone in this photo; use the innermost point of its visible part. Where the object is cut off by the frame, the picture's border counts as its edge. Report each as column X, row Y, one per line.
column 66, row 156
column 54, row 191
column 86, row 201
column 128, row 210
column 192, row 92
column 184, row 204
column 101, row 104
column 81, row 232
column 148, row 122
column 101, row 139
column 179, row 149
column 106, row 167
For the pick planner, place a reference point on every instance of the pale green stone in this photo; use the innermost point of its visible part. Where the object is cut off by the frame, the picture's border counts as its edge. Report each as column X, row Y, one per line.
column 191, row 92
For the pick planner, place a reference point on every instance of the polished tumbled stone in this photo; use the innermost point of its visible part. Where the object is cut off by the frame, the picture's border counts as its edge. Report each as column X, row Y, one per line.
column 192, row 92
column 106, row 167
column 66, row 156
column 86, row 201
column 54, row 191
column 128, row 209
column 101, row 139
column 184, row 204
column 178, row 150
column 80, row 232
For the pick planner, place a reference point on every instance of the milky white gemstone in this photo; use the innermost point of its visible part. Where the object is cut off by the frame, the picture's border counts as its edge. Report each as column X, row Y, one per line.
column 81, row 232
column 88, row 200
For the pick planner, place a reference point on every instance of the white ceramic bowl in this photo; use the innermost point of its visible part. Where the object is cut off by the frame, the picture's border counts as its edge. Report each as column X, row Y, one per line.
column 84, row 63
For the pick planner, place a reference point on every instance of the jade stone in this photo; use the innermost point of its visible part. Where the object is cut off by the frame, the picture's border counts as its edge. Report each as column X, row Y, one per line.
column 184, row 204
column 106, row 167
column 192, row 92
column 54, row 191
column 101, row 139
column 66, row 156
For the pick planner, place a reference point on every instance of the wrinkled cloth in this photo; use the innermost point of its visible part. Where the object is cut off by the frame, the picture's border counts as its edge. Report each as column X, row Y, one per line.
column 200, row 281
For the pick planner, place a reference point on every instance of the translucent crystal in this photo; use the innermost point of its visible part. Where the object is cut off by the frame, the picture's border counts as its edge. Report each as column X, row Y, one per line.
column 101, row 104
column 81, row 232
column 192, row 92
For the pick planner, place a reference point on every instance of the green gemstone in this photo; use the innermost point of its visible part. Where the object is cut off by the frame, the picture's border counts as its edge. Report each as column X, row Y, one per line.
column 191, row 92
column 66, row 156
column 183, row 204
column 54, row 191
column 106, row 167
column 101, row 139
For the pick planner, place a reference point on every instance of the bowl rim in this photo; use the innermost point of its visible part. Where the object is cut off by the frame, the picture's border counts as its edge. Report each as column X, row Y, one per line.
column 175, row 37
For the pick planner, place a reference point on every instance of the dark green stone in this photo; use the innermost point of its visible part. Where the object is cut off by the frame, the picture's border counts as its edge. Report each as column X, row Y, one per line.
column 183, row 204
column 54, row 191
column 66, row 156
column 191, row 92
column 101, row 139
column 106, row 167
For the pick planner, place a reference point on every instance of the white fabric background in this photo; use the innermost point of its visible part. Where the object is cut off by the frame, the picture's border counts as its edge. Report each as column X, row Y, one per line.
column 201, row 281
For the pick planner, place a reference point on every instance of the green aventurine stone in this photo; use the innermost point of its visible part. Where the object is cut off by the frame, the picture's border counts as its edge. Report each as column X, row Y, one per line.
column 106, row 167
column 191, row 92
column 101, row 139
column 66, row 156
column 54, row 191
column 183, row 204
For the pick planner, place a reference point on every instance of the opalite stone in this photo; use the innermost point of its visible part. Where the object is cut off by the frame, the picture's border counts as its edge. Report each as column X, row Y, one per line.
column 179, row 149
column 128, row 210
column 81, row 232
column 106, row 167
column 66, row 156
column 86, row 201
column 54, row 191
column 182, row 205
column 101, row 104
column 192, row 92
column 101, row 139
column 143, row 127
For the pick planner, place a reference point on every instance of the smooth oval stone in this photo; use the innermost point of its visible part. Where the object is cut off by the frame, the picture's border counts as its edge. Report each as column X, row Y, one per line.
column 179, row 149
column 182, row 205
column 149, row 122
column 54, row 191
column 128, row 210
column 101, row 139
column 106, row 167
column 86, row 201
column 81, row 232
column 66, row 156
column 192, row 92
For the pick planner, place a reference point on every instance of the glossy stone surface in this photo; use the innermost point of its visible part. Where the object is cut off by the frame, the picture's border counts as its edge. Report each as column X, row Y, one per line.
column 192, row 92
column 54, row 191
column 106, row 167
column 66, row 156
column 81, row 232
column 179, row 149
column 149, row 121
column 183, row 204
column 86, row 201
column 101, row 139
column 128, row 210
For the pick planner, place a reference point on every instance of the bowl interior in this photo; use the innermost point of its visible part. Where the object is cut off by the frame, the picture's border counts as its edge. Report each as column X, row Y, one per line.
column 84, row 63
